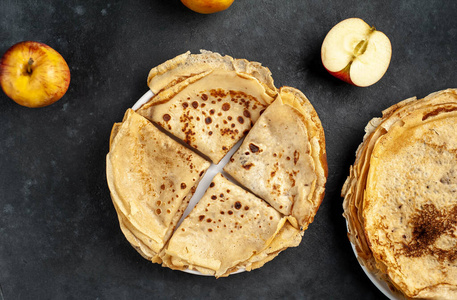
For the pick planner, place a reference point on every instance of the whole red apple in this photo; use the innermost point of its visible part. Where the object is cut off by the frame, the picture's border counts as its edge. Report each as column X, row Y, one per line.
column 33, row 74
column 207, row 6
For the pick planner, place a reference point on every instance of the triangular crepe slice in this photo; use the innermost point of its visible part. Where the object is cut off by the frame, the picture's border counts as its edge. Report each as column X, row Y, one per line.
column 288, row 236
column 207, row 100
column 151, row 178
column 283, row 158
column 140, row 241
column 226, row 228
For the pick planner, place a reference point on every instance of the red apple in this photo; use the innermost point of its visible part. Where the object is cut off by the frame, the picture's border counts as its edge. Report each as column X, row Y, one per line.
column 207, row 6
column 33, row 74
column 356, row 52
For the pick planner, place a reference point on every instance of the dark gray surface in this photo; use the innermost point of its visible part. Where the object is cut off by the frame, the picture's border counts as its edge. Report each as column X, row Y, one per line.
column 59, row 234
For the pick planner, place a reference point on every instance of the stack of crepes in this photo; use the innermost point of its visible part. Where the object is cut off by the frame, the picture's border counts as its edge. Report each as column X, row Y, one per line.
column 203, row 104
column 400, row 199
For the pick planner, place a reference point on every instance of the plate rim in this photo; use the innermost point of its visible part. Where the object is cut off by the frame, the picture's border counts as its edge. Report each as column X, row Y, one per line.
column 379, row 283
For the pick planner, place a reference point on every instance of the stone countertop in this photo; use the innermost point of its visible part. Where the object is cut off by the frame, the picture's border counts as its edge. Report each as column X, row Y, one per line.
column 59, row 234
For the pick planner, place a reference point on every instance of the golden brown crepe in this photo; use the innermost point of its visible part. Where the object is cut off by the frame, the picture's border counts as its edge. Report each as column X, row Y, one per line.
column 283, row 158
column 228, row 229
column 151, row 179
column 400, row 197
column 210, row 102
column 207, row 100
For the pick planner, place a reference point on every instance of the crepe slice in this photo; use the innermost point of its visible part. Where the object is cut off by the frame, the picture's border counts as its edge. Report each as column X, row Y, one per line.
column 283, row 159
column 228, row 229
column 151, row 178
column 400, row 197
column 207, row 100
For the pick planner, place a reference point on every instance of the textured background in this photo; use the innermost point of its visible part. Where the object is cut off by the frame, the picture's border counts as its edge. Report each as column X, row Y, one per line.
column 59, row 234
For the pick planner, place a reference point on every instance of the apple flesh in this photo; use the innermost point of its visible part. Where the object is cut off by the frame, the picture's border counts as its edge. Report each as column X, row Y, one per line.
column 356, row 52
column 207, row 6
column 33, row 74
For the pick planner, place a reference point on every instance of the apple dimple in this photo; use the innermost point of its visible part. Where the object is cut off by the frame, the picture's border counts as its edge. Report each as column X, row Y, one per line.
column 29, row 65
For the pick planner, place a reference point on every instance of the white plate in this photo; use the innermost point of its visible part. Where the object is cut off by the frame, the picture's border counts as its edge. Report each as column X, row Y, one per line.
column 380, row 284
column 204, row 182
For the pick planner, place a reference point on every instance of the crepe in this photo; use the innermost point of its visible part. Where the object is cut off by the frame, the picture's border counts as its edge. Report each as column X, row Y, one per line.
column 228, row 229
column 151, row 178
column 207, row 100
column 283, row 159
column 210, row 102
column 400, row 197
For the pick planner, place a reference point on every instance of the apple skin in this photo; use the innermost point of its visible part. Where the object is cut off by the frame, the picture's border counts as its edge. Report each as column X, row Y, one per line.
column 356, row 52
column 33, row 74
column 343, row 74
column 207, row 6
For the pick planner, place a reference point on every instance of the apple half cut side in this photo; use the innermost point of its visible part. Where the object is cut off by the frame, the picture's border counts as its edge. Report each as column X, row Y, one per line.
column 356, row 52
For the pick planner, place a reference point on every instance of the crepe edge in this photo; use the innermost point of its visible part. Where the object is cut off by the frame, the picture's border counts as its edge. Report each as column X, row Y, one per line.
column 183, row 67
column 316, row 136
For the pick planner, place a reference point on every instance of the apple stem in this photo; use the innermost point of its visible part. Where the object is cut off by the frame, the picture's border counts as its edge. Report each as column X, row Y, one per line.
column 29, row 65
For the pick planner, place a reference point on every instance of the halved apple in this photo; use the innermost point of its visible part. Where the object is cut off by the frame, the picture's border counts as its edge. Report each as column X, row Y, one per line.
column 356, row 52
